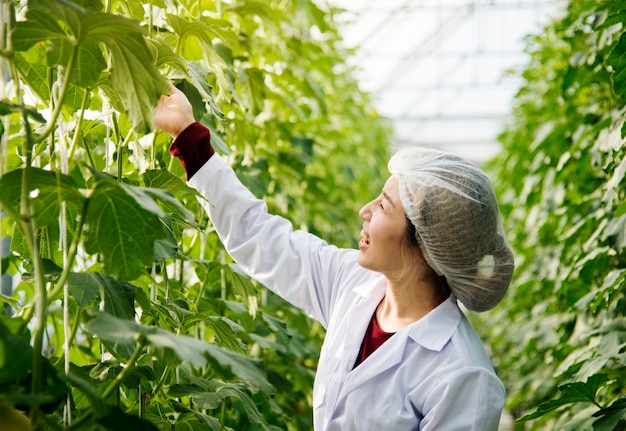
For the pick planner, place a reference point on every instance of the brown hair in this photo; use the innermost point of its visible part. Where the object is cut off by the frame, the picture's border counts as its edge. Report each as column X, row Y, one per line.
column 410, row 246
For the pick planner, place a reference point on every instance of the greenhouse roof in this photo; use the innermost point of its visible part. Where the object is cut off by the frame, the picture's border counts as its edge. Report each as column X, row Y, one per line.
column 437, row 68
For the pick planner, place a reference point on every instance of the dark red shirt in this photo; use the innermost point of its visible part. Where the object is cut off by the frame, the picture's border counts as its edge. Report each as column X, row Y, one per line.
column 374, row 338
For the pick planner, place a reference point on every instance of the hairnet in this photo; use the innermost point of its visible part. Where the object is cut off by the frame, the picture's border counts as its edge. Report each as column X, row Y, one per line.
column 452, row 204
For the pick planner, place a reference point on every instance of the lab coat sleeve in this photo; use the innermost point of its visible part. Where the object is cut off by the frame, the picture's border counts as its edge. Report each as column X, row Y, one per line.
column 470, row 399
column 296, row 265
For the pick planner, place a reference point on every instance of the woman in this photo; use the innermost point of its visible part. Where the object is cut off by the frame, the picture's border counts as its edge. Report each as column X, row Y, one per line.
column 398, row 354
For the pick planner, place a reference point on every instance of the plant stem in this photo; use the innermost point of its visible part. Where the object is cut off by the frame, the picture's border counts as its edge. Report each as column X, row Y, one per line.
column 120, row 155
column 27, row 224
column 41, row 302
column 59, row 101
column 161, row 382
column 79, row 123
column 153, row 151
column 71, row 254
column 129, row 366
column 79, row 421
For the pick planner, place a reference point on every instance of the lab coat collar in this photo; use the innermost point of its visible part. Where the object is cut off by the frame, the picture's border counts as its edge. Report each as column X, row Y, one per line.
column 433, row 330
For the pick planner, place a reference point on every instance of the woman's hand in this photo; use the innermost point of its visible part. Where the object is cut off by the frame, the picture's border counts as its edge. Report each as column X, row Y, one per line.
column 173, row 113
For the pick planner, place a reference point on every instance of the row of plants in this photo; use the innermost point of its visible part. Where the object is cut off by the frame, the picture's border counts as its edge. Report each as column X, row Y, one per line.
column 561, row 181
column 126, row 312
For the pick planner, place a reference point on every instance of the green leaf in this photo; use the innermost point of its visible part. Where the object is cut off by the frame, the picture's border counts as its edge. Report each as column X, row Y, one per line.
column 186, row 349
column 617, row 61
column 115, row 419
column 209, row 394
column 80, row 380
column 203, row 34
column 119, row 298
column 40, row 26
column 611, row 416
column 251, row 81
column 122, row 225
column 165, row 180
column 164, row 55
column 6, row 109
column 67, row 12
column 112, row 329
column 16, row 356
column 194, row 97
column 201, row 84
column 577, row 392
column 248, row 404
column 49, row 269
column 225, row 335
column 84, row 288
column 192, row 420
column 133, row 73
column 173, row 205
column 89, row 64
column 47, row 190
column 165, row 248
column 34, row 70
column 241, row 284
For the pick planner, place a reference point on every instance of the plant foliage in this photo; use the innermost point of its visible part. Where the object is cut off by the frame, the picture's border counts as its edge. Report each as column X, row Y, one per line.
column 561, row 180
column 127, row 313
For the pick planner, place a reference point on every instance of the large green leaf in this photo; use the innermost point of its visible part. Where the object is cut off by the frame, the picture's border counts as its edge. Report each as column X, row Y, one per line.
column 122, row 225
column 39, row 27
column 33, row 68
column 16, row 356
column 192, row 420
column 165, row 180
column 46, row 190
column 577, row 392
column 119, row 298
column 133, row 73
column 115, row 419
column 210, row 394
column 186, row 349
column 252, row 86
column 617, row 61
column 610, row 417
column 170, row 190
column 202, row 32
column 89, row 64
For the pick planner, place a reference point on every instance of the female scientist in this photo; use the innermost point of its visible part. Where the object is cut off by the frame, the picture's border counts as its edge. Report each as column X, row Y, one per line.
column 399, row 354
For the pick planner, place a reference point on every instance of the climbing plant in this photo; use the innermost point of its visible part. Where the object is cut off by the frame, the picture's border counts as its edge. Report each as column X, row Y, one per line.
column 559, row 339
column 126, row 312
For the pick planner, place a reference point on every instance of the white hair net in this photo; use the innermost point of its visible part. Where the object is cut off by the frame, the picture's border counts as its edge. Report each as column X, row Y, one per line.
column 452, row 204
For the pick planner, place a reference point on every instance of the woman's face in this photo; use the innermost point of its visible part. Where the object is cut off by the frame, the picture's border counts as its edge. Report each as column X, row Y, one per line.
column 384, row 227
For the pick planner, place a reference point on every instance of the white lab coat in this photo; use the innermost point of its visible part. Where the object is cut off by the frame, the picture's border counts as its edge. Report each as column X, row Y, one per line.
column 432, row 375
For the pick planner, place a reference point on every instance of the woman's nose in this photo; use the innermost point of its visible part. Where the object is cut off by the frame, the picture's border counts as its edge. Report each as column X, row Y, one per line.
column 365, row 212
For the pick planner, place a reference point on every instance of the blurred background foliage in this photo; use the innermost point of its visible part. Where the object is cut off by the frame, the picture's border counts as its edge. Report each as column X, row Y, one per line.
column 559, row 338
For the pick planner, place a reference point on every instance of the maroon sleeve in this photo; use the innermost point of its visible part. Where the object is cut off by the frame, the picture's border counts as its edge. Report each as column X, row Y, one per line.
column 193, row 148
